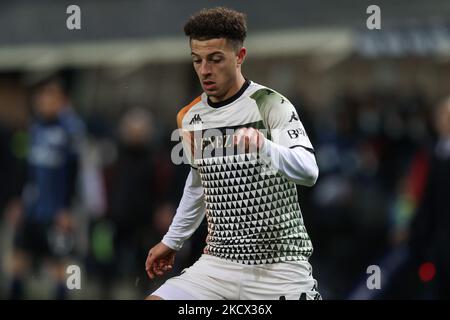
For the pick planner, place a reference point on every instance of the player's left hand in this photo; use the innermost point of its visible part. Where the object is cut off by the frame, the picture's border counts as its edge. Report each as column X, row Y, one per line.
column 249, row 138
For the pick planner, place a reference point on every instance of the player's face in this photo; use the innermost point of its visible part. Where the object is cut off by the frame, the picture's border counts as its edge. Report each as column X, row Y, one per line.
column 217, row 64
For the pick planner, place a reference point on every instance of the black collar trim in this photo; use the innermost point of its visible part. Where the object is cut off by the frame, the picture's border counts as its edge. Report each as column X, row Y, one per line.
column 230, row 99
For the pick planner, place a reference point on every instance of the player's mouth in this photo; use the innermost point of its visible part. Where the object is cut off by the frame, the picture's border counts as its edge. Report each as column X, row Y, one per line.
column 208, row 84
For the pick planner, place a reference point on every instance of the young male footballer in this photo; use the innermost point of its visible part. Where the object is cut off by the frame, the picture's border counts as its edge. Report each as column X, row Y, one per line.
column 248, row 149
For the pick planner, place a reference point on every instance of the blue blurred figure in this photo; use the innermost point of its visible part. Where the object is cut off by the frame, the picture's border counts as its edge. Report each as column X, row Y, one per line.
column 45, row 226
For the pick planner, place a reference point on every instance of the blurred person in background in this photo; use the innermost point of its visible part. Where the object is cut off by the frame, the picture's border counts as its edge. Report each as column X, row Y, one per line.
column 430, row 233
column 45, row 225
column 137, row 184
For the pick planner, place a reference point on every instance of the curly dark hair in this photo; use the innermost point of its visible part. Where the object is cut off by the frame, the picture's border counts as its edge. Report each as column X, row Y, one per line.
column 219, row 22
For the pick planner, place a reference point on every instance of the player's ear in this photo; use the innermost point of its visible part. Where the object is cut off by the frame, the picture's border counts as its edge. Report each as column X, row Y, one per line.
column 241, row 55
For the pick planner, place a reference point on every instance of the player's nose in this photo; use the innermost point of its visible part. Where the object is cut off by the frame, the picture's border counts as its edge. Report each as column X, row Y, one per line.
column 205, row 69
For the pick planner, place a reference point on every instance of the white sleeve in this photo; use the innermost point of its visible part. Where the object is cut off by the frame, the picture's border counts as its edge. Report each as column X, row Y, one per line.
column 297, row 164
column 287, row 147
column 189, row 215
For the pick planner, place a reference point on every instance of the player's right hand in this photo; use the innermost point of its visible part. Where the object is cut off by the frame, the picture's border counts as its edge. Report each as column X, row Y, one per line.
column 160, row 260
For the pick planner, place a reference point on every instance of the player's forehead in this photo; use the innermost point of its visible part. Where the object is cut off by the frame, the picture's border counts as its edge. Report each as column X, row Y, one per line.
column 210, row 46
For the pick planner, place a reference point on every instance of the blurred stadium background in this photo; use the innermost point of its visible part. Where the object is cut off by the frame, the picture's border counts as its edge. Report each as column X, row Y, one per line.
column 367, row 98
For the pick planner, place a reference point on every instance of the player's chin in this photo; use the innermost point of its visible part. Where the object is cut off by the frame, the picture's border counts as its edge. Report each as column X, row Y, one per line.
column 211, row 91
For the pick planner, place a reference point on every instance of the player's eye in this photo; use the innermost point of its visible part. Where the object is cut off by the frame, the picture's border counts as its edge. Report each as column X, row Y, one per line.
column 197, row 61
column 217, row 60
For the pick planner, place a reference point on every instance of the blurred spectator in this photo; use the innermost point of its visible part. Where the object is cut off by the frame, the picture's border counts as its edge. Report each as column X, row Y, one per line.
column 431, row 229
column 138, row 182
column 46, row 225
column 372, row 167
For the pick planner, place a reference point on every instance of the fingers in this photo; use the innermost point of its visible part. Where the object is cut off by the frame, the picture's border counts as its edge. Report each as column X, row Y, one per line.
column 237, row 137
column 165, row 265
column 158, row 267
column 249, row 139
column 149, row 264
column 160, row 260
column 253, row 140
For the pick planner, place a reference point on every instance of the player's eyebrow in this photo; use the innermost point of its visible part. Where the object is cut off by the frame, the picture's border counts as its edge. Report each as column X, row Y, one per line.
column 209, row 55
